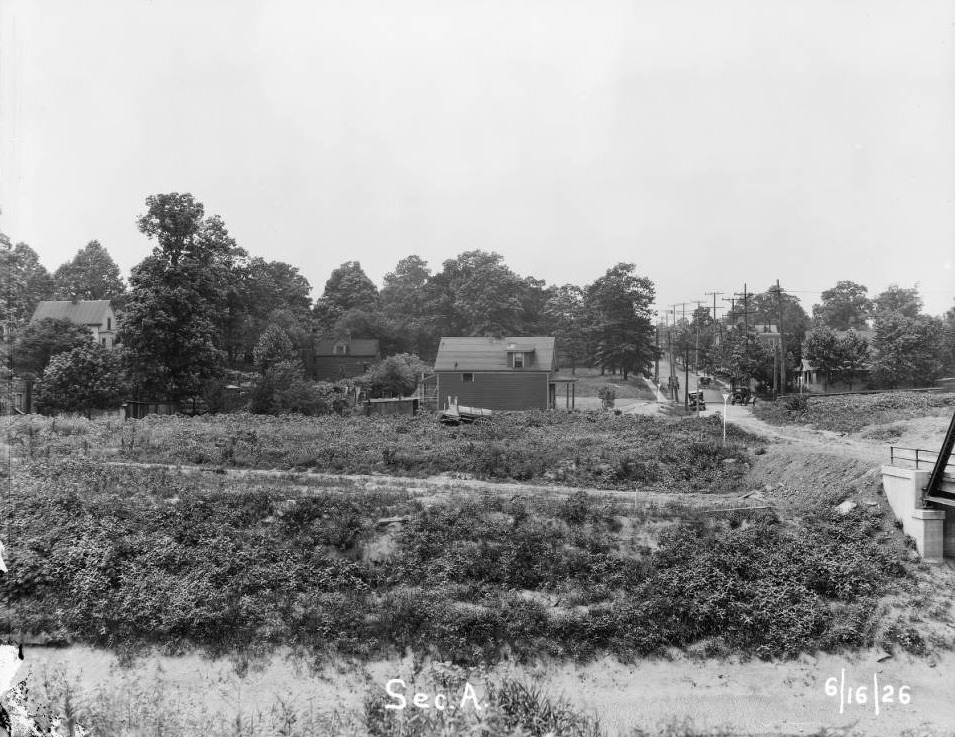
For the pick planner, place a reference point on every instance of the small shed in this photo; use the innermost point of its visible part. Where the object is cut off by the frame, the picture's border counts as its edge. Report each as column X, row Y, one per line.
column 397, row 406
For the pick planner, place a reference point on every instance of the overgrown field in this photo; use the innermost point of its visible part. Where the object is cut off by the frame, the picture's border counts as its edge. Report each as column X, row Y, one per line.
column 852, row 413
column 129, row 558
column 593, row 449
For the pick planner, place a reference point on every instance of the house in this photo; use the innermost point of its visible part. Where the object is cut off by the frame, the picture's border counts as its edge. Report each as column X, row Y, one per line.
column 768, row 335
column 511, row 373
column 343, row 358
column 811, row 379
column 94, row 314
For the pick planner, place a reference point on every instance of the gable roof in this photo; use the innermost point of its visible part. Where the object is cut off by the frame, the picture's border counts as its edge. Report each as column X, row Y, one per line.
column 356, row 347
column 490, row 354
column 82, row 312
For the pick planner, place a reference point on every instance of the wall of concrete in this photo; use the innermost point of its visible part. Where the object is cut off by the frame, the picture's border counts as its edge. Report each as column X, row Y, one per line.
column 928, row 527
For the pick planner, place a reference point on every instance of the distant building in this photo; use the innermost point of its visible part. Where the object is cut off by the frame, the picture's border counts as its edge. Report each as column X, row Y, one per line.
column 344, row 358
column 94, row 314
column 511, row 373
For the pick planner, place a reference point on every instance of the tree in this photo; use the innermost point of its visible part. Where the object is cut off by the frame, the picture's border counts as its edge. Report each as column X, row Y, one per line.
column 24, row 282
column 264, row 292
column 404, row 301
column 742, row 356
column 948, row 342
column 844, row 306
column 623, row 332
column 906, row 302
column 824, row 352
column 272, row 347
column 855, row 355
column 347, row 288
column 86, row 378
column 283, row 389
column 92, row 274
column 180, row 299
column 908, row 350
column 39, row 341
column 395, row 376
column 485, row 295
column 566, row 319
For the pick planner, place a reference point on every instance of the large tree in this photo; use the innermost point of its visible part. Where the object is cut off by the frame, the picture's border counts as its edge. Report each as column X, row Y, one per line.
column 823, row 351
column 266, row 293
column 39, row 341
column 348, row 288
column 86, row 378
column 404, row 300
column 24, row 282
column 909, row 351
column 566, row 319
column 619, row 302
column 179, row 299
column 92, row 274
column 907, row 302
column 485, row 295
column 845, row 306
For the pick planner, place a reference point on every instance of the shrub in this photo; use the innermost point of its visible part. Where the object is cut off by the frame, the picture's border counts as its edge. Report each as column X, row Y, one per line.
column 607, row 395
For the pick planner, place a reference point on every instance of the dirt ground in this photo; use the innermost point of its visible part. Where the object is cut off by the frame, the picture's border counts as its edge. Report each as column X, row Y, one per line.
column 800, row 466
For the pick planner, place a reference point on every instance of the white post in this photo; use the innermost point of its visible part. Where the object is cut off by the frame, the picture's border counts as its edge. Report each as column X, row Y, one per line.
column 725, row 397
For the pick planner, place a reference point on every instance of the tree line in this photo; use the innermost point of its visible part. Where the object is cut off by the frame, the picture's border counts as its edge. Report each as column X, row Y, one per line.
column 885, row 341
column 199, row 305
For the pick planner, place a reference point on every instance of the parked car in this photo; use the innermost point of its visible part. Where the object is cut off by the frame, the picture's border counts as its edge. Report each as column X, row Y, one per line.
column 697, row 401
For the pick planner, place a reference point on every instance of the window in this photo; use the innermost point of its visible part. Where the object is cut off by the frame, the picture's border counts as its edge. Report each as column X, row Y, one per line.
column 103, row 341
column 109, row 323
column 519, row 360
column 341, row 349
column 467, row 378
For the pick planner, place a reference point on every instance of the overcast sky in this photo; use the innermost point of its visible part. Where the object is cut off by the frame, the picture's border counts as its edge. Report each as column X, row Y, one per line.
column 711, row 143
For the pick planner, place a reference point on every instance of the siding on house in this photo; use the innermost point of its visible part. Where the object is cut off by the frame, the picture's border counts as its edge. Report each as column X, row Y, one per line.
column 343, row 359
column 495, row 390
column 495, row 382
column 96, row 315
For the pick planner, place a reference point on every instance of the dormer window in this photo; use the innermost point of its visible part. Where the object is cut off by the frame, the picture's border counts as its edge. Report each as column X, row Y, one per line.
column 341, row 349
column 518, row 360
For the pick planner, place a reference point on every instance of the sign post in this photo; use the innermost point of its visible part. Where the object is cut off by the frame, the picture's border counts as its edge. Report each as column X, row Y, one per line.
column 726, row 396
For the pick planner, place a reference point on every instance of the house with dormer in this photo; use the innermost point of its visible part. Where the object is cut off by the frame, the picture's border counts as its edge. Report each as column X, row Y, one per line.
column 96, row 315
column 510, row 373
column 343, row 358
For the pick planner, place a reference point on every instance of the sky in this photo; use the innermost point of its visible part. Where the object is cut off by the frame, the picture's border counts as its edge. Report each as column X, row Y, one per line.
column 713, row 144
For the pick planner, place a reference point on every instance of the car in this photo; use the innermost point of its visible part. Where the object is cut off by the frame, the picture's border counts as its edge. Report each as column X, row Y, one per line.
column 696, row 400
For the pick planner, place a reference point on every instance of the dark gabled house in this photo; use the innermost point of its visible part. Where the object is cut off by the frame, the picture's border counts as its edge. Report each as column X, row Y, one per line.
column 343, row 358
column 96, row 315
column 511, row 373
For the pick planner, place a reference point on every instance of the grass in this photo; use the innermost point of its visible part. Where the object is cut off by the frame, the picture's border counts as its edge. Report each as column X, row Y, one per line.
column 132, row 558
column 592, row 449
column 853, row 413
column 589, row 381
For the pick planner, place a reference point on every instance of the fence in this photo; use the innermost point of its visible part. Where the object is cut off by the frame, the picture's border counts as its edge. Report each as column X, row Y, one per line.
column 921, row 457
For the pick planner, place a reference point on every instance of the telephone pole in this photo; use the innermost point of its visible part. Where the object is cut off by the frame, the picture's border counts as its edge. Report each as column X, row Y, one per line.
column 782, row 339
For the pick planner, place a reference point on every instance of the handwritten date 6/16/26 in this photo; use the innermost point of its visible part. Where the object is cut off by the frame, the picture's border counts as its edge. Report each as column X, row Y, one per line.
column 868, row 694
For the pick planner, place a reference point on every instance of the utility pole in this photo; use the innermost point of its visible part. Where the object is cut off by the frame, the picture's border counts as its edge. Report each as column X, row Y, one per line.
column 782, row 338
column 696, row 352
